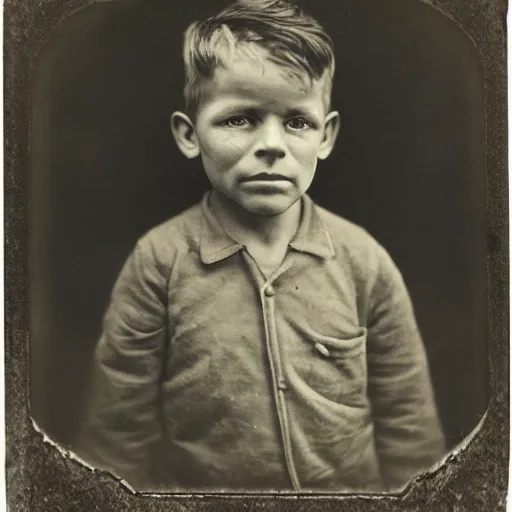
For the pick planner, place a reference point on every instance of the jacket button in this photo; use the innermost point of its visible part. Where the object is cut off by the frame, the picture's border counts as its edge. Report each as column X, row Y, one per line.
column 322, row 349
column 269, row 291
column 281, row 384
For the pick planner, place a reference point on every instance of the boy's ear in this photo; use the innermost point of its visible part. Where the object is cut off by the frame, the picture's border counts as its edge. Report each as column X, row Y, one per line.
column 184, row 134
column 331, row 129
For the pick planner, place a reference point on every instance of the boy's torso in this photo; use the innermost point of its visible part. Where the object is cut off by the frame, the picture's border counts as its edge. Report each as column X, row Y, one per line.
column 265, row 380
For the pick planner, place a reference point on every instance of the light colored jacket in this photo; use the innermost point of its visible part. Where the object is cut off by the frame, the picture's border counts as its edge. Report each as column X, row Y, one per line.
column 315, row 378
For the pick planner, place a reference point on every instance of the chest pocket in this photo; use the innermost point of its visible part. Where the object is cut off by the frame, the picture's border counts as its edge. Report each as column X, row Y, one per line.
column 335, row 367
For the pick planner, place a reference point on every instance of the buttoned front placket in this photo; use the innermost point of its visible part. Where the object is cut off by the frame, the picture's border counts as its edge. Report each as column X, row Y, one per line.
column 267, row 291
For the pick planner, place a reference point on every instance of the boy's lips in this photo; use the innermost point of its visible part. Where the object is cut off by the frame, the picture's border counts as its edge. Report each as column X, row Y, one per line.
column 265, row 176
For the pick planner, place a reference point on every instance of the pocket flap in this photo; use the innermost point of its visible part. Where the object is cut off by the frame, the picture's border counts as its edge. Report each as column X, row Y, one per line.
column 339, row 348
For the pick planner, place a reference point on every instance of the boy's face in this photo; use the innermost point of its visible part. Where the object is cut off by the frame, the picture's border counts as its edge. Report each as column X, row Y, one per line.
column 260, row 132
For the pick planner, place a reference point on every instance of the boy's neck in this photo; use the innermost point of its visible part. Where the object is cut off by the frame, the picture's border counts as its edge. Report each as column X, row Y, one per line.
column 249, row 229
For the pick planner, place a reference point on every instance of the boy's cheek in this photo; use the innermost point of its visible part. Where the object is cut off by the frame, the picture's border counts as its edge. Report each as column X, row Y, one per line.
column 305, row 148
column 235, row 144
column 305, row 158
column 226, row 147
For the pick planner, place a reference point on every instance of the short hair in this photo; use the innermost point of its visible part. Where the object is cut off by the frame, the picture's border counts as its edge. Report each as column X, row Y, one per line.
column 291, row 39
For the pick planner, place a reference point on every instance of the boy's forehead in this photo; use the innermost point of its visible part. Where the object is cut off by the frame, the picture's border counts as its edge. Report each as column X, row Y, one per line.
column 262, row 80
column 249, row 58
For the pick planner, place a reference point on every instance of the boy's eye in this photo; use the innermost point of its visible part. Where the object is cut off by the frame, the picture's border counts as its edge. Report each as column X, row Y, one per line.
column 299, row 123
column 238, row 122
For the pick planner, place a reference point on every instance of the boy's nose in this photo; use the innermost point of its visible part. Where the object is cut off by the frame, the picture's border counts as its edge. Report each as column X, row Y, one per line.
column 270, row 145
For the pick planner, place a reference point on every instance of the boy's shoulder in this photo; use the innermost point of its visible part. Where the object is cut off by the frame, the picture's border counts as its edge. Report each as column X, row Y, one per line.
column 355, row 246
column 184, row 223
column 181, row 231
column 346, row 235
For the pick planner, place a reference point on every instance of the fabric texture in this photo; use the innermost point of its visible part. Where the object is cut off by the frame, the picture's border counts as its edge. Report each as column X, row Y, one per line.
column 211, row 376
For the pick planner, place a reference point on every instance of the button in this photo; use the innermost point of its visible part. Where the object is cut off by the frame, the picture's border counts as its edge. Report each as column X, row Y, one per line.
column 269, row 291
column 322, row 349
column 281, row 384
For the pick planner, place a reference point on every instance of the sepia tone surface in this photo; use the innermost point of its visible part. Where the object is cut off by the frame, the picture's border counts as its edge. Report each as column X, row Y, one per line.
column 469, row 480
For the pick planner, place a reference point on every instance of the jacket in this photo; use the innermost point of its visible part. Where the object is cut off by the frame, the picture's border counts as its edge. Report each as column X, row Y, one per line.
column 313, row 379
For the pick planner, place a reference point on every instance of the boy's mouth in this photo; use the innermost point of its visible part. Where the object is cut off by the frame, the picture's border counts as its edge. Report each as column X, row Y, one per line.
column 265, row 176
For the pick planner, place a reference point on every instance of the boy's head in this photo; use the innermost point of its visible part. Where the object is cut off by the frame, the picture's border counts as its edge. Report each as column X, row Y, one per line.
column 258, row 85
column 290, row 38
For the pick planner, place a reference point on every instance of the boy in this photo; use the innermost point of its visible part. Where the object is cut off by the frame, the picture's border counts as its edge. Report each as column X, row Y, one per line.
column 257, row 341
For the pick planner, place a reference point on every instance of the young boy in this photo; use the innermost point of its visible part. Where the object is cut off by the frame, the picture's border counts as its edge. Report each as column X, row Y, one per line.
column 257, row 341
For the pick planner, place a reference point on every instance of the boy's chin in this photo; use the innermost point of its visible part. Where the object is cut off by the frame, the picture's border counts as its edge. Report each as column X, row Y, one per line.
column 269, row 207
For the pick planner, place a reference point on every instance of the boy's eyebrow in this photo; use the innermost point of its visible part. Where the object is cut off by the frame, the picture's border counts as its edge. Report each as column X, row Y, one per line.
column 235, row 110
column 297, row 112
column 252, row 110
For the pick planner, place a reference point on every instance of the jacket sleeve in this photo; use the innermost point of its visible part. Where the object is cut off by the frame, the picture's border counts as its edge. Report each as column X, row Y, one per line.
column 408, row 434
column 122, row 423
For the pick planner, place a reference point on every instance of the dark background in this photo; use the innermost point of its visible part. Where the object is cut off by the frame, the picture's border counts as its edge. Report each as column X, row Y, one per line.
column 409, row 166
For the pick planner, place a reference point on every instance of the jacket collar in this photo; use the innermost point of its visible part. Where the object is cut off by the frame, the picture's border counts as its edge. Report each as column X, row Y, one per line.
column 311, row 237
